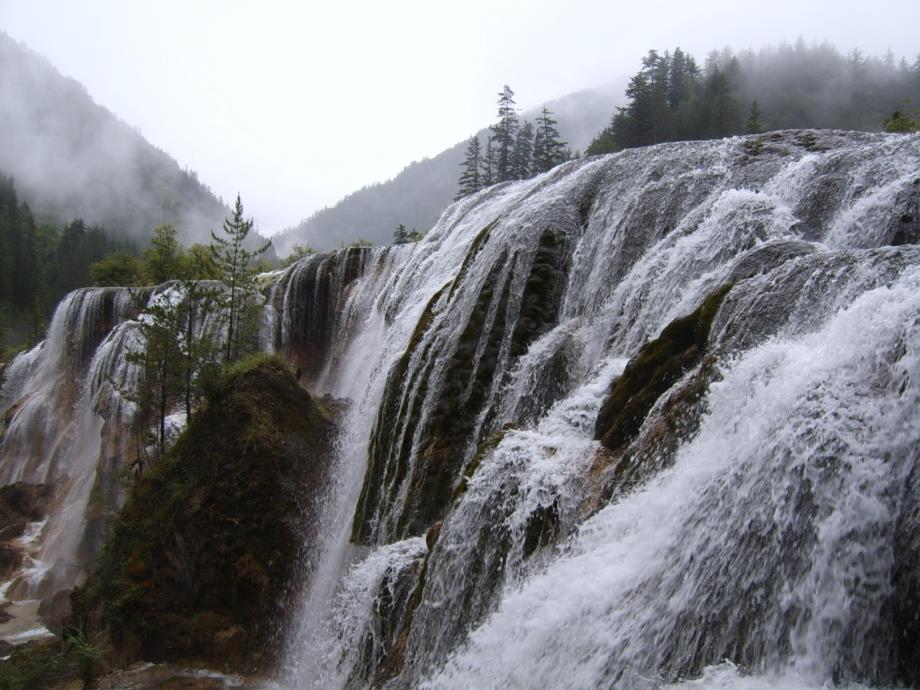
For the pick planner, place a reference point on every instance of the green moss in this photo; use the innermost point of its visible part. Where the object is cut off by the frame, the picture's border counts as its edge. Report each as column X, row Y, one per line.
column 659, row 364
column 38, row 665
column 210, row 536
column 753, row 147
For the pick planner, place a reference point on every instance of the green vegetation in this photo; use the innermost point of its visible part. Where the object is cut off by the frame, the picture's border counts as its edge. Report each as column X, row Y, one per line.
column 672, row 98
column 513, row 150
column 659, row 364
column 40, row 263
column 234, row 262
column 200, row 562
column 903, row 120
column 402, row 235
column 38, row 665
column 298, row 252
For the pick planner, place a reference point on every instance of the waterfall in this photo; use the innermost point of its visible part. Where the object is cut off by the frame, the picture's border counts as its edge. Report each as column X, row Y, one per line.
column 750, row 530
column 753, row 522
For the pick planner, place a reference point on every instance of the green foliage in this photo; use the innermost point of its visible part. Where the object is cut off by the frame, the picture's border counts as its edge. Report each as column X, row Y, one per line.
column 504, row 135
column 298, row 252
column 754, row 123
column 671, row 98
column 209, row 537
column 903, row 120
column 357, row 243
column 470, row 178
column 401, row 234
column 548, row 148
column 40, row 263
column 513, row 151
column 234, row 260
column 163, row 259
column 117, row 269
column 37, row 665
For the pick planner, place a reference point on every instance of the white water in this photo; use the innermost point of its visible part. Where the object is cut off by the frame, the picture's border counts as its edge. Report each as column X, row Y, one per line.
column 719, row 556
column 767, row 540
column 608, row 607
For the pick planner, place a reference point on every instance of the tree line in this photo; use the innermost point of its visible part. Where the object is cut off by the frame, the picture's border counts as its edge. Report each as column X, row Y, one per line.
column 513, row 150
column 673, row 98
column 40, row 262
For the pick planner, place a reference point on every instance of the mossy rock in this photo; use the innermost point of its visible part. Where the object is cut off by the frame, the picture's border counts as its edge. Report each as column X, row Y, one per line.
column 497, row 326
column 40, row 664
column 200, row 562
column 657, row 367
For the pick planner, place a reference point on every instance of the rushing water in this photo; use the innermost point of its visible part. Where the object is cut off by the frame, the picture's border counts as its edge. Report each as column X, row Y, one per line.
column 763, row 533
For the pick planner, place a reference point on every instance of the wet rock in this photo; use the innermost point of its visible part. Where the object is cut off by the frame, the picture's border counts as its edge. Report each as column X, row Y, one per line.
column 658, row 366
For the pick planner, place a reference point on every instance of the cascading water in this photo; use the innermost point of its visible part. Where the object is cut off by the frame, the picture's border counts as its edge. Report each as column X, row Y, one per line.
column 753, row 521
column 66, row 418
column 757, row 528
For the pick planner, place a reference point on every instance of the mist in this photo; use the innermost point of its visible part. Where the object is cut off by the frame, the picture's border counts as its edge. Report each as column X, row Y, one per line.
column 72, row 158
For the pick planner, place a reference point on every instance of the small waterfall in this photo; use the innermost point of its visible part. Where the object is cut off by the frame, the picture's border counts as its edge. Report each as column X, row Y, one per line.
column 65, row 424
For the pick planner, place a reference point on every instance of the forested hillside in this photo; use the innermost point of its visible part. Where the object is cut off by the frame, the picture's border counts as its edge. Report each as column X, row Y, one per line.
column 72, row 158
column 418, row 195
column 673, row 97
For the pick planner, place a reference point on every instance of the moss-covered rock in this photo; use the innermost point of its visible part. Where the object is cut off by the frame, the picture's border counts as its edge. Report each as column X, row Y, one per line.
column 499, row 328
column 200, row 561
column 657, row 367
column 42, row 664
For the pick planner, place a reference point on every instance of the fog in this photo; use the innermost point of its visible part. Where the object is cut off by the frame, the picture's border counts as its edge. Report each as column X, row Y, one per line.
column 298, row 104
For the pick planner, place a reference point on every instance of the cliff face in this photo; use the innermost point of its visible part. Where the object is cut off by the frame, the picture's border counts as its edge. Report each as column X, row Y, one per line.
column 203, row 559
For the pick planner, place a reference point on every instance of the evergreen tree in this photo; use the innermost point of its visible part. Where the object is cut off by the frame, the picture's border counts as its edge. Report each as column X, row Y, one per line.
column 401, row 235
column 504, row 136
column 487, row 168
column 161, row 363
column 523, row 152
column 117, row 269
column 754, row 124
column 548, row 149
column 163, row 259
column 470, row 180
column 234, row 261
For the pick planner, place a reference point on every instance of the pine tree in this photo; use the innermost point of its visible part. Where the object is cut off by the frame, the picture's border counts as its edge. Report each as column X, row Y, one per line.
column 523, row 152
column 161, row 362
column 548, row 149
column 401, row 234
column 163, row 259
column 233, row 259
column 754, row 124
column 470, row 179
column 504, row 135
column 487, row 165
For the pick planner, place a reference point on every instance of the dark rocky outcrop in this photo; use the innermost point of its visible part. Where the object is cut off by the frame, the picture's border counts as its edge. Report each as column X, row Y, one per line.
column 498, row 326
column 201, row 561
column 20, row 504
column 657, row 367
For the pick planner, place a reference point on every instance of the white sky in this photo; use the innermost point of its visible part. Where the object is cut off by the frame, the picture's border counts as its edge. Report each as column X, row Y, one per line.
column 295, row 104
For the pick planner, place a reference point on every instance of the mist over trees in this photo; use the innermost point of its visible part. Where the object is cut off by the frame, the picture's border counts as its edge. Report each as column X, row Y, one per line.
column 513, row 150
column 41, row 262
column 672, row 97
column 419, row 194
column 74, row 159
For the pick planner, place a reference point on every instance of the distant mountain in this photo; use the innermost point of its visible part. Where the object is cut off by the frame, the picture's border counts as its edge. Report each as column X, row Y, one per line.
column 73, row 158
column 419, row 194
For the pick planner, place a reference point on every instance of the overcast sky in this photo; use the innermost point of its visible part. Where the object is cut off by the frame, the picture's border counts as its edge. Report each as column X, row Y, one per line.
column 295, row 104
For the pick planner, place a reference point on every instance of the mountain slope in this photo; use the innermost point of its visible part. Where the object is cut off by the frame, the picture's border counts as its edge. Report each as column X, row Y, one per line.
column 73, row 158
column 419, row 194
